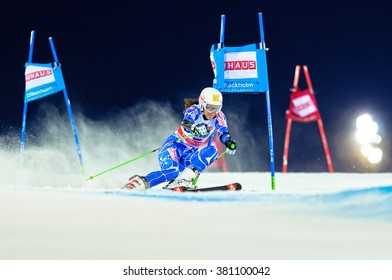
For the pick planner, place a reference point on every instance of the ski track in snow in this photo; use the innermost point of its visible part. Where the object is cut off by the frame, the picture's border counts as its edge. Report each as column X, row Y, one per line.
column 368, row 203
column 371, row 203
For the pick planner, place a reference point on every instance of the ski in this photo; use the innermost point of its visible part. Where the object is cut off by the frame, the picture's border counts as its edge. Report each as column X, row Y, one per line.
column 228, row 187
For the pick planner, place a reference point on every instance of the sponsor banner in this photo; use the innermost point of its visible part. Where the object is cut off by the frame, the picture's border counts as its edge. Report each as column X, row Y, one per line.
column 239, row 69
column 303, row 107
column 240, row 65
column 42, row 80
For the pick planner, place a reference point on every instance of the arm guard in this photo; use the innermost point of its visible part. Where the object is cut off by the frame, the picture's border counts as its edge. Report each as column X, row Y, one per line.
column 224, row 136
column 187, row 125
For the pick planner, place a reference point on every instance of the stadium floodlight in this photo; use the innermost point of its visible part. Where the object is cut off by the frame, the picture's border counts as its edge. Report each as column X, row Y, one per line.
column 367, row 136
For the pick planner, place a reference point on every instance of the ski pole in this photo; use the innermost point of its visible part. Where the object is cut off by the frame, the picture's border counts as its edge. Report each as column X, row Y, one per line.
column 221, row 155
column 136, row 158
column 124, row 163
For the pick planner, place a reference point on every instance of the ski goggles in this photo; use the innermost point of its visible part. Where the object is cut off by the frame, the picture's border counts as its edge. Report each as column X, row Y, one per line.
column 213, row 108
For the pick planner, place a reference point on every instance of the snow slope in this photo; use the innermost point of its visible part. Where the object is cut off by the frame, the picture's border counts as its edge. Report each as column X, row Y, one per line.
column 308, row 216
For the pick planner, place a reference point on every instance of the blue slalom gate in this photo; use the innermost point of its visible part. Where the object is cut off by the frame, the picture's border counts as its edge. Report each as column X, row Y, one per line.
column 243, row 69
column 43, row 80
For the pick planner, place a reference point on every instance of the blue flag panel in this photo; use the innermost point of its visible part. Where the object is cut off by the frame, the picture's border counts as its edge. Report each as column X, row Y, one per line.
column 240, row 69
column 42, row 80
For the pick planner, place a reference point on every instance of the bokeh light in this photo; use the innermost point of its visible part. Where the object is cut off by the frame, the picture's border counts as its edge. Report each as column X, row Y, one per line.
column 375, row 155
column 367, row 136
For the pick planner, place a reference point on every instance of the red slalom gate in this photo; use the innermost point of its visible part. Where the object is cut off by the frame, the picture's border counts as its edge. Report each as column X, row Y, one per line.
column 303, row 108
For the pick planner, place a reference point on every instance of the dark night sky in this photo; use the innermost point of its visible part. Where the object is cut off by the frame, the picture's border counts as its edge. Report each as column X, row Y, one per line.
column 117, row 53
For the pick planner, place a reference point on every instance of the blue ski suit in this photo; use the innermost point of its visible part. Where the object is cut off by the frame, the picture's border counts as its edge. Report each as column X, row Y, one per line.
column 183, row 148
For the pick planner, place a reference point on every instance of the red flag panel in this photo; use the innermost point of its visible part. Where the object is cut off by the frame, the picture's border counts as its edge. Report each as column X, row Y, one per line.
column 303, row 107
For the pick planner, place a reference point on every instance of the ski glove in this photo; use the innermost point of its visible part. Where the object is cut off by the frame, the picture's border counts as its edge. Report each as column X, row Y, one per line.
column 200, row 130
column 231, row 146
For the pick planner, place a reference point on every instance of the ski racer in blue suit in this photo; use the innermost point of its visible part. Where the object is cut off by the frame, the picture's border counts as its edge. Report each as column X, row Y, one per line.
column 189, row 150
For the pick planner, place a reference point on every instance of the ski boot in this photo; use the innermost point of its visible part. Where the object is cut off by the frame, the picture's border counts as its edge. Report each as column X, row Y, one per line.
column 185, row 179
column 137, row 182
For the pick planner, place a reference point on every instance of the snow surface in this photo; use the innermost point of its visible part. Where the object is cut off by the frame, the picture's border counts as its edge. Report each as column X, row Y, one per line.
column 308, row 216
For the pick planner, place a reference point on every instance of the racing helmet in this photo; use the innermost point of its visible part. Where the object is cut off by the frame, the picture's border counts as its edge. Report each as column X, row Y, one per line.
column 211, row 99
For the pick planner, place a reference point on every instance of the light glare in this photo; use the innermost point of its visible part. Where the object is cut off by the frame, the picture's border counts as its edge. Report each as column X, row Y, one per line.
column 375, row 155
column 366, row 150
column 366, row 135
column 363, row 120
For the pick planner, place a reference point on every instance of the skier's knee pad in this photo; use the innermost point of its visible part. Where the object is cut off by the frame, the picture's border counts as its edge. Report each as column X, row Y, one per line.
column 168, row 159
column 167, row 164
column 169, row 167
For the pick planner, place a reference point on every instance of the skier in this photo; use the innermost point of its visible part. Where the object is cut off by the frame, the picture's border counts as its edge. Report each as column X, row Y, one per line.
column 189, row 150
